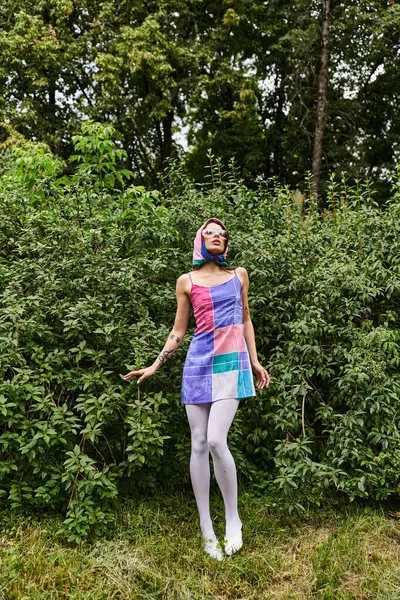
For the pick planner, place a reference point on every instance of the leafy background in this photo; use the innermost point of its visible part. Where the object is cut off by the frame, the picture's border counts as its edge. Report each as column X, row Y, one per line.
column 176, row 78
column 88, row 264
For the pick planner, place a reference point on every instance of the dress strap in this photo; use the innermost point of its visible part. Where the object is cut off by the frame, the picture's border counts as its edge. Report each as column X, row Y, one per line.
column 190, row 279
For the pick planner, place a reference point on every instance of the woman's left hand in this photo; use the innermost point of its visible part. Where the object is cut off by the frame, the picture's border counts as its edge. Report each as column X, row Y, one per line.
column 263, row 377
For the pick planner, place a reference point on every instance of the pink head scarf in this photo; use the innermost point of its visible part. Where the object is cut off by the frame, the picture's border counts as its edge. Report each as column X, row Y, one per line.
column 200, row 253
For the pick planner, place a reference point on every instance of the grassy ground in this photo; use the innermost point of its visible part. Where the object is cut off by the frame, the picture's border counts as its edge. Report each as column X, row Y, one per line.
column 154, row 552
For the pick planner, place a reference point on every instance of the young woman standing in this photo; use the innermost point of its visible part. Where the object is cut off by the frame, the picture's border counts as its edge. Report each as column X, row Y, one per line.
column 217, row 372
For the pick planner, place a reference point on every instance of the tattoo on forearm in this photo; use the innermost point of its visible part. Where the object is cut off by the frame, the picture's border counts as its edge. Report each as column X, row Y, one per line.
column 165, row 355
column 175, row 337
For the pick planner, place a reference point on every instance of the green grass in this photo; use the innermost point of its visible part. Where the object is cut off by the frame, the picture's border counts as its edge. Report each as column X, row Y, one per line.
column 155, row 552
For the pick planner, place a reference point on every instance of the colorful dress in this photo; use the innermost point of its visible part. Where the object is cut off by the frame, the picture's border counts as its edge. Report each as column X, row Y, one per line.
column 217, row 363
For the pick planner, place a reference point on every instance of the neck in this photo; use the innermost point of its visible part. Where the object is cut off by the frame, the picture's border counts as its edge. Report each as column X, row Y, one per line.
column 211, row 267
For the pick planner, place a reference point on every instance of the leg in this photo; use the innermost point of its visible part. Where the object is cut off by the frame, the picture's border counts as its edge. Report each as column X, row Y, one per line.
column 200, row 473
column 220, row 419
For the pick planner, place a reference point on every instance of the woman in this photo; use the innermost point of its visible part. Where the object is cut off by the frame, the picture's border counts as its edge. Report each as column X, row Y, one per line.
column 216, row 374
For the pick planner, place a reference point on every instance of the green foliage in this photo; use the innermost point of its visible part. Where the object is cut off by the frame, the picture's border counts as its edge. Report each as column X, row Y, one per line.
column 237, row 77
column 97, row 156
column 88, row 265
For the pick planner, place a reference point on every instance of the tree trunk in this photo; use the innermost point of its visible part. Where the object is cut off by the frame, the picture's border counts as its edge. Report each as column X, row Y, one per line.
column 279, row 123
column 166, row 147
column 322, row 99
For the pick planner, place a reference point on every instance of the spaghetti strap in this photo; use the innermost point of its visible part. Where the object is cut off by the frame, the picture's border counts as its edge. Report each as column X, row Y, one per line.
column 190, row 279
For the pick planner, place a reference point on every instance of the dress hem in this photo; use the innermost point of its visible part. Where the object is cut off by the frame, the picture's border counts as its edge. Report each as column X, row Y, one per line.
column 218, row 399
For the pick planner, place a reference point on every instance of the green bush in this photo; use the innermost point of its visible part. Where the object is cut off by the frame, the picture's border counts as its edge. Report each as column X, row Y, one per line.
column 88, row 265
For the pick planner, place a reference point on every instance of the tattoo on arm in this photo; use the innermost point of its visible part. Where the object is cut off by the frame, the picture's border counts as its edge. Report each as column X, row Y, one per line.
column 175, row 337
column 165, row 355
column 246, row 310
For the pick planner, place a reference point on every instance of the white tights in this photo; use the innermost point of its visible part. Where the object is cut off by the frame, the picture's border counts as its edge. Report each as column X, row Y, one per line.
column 209, row 425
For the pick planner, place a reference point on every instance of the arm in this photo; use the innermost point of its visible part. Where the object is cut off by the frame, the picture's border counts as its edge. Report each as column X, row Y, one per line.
column 176, row 335
column 180, row 325
column 262, row 375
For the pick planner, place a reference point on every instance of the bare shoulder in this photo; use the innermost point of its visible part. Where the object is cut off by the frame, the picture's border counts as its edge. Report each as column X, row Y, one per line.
column 183, row 283
column 182, row 278
column 242, row 274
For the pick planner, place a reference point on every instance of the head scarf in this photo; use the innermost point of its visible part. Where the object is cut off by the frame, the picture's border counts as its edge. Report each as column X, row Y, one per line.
column 200, row 252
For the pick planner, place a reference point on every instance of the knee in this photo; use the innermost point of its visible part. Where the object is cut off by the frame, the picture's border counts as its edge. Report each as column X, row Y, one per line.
column 217, row 446
column 199, row 444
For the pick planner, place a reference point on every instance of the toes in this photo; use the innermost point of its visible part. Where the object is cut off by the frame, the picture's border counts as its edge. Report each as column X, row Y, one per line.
column 213, row 549
column 233, row 545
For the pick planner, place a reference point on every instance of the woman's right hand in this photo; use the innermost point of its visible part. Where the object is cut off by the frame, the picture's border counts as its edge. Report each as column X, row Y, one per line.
column 142, row 373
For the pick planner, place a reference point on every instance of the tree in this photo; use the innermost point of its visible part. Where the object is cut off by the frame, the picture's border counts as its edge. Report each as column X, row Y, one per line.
column 243, row 79
column 322, row 96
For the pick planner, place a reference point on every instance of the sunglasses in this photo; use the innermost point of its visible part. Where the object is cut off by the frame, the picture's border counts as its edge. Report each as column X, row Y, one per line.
column 209, row 231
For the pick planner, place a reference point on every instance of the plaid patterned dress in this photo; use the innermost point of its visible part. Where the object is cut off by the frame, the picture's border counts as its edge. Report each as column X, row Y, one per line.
column 217, row 363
